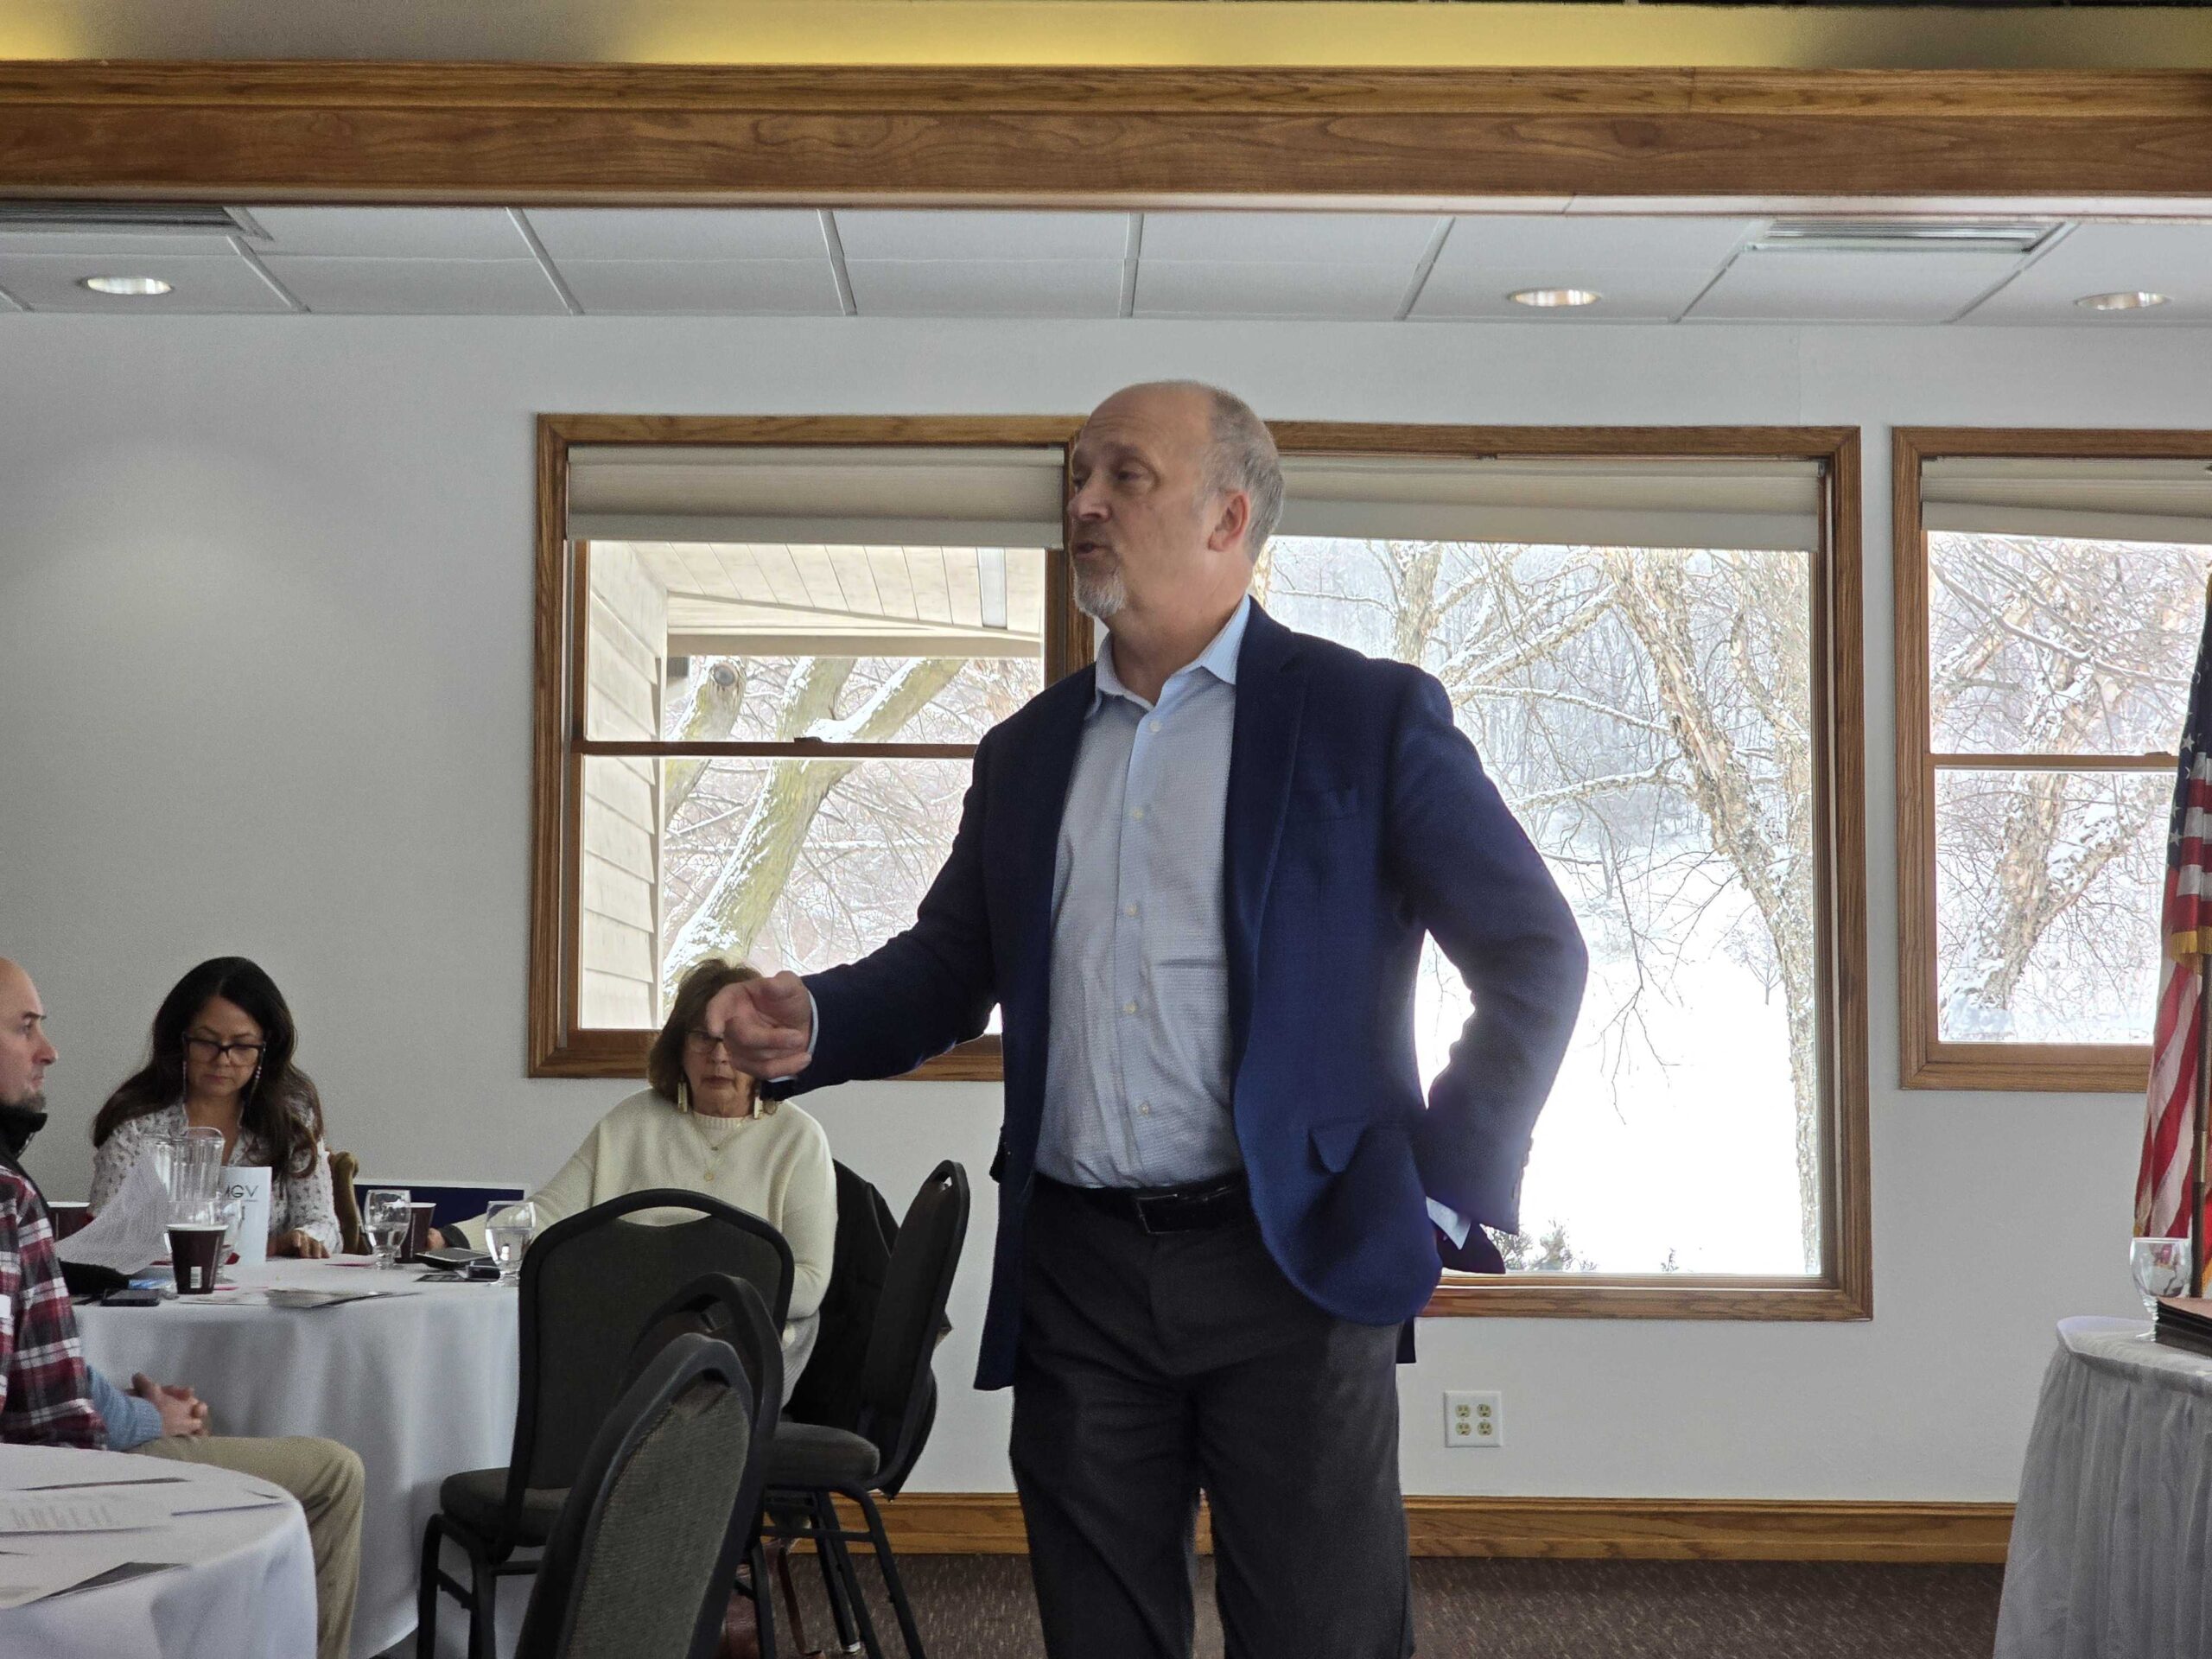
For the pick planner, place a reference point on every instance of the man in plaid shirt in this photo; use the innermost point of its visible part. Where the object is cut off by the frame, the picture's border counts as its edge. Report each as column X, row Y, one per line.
column 49, row 1396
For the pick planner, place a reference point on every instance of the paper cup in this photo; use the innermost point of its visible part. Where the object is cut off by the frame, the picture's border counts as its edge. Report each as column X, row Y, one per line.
column 194, row 1246
column 418, row 1232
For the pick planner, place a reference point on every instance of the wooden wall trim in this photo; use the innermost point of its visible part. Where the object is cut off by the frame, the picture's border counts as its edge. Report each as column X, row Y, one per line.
column 1617, row 1528
column 1924, row 1059
column 526, row 134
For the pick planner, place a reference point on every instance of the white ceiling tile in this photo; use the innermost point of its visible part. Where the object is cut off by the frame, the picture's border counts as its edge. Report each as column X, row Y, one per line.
column 680, row 233
column 1632, row 295
column 104, row 244
column 1522, row 241
column 398, row 287
column 2175, row 260
column 1289, row 238
column 199, row 284
column 1369, row 293
column 392, row 232
column 977, row 288
column 703, row 287
column 1808, row 287
column 926, row 234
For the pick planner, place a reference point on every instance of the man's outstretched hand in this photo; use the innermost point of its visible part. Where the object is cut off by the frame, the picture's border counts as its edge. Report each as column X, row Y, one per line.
column 766, row 1024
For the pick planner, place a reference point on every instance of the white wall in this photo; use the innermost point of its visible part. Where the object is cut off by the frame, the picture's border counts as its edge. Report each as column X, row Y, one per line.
column 264, row 687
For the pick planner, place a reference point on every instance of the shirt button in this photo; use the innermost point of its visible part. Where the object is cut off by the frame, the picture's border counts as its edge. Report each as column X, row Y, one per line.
column 1129, row 1007
column 1152, row 725
column 1137, row 813
column 1128, row 909
column 1146, row 1108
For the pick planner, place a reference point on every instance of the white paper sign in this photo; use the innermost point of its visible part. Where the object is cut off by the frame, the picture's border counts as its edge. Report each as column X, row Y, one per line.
column 79, row 1512
column 249, row 1184
column 131, row 1231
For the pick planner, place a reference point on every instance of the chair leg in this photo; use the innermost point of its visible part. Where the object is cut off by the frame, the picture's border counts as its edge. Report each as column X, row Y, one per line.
column 483, row 1620
column 907, row 1631
column 426, row 1592
column 764, row 1599
column 779, row 1552
column 850, row 1576
column 825, row 1554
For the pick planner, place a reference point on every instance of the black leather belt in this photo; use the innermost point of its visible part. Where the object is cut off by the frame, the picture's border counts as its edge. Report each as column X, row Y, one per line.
column 1187, row 1209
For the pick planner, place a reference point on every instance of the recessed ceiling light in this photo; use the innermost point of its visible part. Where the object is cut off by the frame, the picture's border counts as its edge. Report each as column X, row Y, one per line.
column 138, row 287
column 1545, row 298
column 2138, row 301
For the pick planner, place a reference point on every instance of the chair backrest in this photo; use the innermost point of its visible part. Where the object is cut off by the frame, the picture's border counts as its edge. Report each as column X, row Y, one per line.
column 589, row 1284
column 728, row 1310
column 898, row 1393
column 344, row 1168
column 828, row 1390
column 640, row 1563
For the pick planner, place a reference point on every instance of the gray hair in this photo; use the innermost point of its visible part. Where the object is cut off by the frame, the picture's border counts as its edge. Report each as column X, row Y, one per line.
column 1243, row 457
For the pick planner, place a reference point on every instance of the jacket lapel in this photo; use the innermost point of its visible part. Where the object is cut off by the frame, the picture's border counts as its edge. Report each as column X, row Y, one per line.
column 1270, row 703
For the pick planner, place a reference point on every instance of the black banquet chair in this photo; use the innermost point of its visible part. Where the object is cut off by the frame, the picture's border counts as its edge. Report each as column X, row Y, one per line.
column 590, row 1286
column 811, row 1464
column 638, row 1562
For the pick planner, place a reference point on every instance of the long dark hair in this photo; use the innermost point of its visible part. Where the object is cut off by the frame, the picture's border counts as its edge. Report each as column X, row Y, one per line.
column 280, row 1108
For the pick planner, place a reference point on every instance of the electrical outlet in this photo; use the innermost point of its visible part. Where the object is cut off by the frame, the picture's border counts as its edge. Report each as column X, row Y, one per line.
column 1473, row 1419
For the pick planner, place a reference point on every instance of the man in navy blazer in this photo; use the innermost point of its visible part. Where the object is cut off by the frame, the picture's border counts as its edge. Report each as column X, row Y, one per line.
column 1196, row 878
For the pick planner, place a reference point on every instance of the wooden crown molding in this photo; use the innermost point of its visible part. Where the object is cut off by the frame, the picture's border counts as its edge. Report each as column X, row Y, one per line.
column 1588, row 1528
column 537, row 134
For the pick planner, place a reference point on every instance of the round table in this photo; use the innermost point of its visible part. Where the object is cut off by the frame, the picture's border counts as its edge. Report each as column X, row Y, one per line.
column 241, row 1584
column 2111, row 1556
column 421, row 1384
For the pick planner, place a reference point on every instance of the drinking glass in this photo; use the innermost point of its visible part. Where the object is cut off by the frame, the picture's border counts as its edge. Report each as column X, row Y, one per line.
column 2161, row 1268
column 387, row 1217
column 508, row 1229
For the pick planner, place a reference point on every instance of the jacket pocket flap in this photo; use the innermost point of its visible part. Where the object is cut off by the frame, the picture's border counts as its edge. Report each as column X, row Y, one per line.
column 1334, row 1143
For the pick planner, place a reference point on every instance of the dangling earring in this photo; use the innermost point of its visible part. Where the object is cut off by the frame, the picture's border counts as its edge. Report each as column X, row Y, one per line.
column 683, row 1095
column 755, row 1113
column 253, row 1082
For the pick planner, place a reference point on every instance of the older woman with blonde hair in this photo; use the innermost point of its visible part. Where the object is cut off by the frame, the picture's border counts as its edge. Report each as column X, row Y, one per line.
column 702, row 1124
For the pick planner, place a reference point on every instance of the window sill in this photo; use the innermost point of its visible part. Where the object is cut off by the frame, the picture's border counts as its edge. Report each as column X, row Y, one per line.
column 2032, row 1068
column 1623, row 1296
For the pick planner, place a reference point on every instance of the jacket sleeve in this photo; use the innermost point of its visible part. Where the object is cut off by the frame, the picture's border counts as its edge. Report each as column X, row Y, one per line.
column 930, row 987
column 1480, row 887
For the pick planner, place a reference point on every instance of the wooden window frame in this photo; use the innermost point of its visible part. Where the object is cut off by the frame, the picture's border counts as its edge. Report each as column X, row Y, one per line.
column 1844, row 1288
column 560, row 1046
column 1925, row 1060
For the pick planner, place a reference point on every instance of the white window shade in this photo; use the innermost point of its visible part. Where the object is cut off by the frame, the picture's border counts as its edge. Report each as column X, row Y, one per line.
column 820, row 496
column 2083, row 500
column 1751, row 505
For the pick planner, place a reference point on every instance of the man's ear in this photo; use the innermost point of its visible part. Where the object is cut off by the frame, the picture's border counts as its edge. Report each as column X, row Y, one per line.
column 1230, row 523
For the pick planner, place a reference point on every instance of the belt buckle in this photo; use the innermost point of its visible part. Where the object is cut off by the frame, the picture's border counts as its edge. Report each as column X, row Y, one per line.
column 1143, row 1207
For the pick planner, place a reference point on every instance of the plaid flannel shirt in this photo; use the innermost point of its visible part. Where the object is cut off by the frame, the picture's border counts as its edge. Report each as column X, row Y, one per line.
column 44, row 1397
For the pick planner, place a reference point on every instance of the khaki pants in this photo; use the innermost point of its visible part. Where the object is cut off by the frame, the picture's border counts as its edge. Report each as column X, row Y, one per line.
column 326, row 1477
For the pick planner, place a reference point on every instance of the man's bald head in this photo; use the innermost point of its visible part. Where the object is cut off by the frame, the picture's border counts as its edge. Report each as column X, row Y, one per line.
column 24, row 1052
column 1240, row 452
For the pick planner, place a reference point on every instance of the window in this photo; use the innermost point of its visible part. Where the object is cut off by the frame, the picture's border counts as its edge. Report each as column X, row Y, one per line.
column 1652, row 638
column 2050, row 593
column 784, row 642
column 774, row 645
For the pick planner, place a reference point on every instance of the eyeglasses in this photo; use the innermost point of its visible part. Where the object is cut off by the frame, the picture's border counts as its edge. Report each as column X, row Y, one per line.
column 704, row 1042
column 207, row 1048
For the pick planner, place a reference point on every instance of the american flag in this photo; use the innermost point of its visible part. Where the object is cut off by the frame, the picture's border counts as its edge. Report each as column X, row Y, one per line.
column 2162, row 1182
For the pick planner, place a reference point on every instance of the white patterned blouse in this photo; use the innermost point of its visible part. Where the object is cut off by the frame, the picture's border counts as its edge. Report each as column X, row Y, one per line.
column 295, row 1201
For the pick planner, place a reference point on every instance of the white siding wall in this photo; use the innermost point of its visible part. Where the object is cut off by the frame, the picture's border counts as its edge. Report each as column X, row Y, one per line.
column 619, row 933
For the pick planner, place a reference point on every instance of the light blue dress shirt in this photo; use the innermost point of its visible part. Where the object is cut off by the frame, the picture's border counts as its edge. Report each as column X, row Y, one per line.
column 130, row 1422
column 1136, row 1077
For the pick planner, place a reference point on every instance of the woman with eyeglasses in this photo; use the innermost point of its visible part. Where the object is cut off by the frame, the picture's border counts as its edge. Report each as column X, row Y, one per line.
column 702, row 1125
column 222, row 1059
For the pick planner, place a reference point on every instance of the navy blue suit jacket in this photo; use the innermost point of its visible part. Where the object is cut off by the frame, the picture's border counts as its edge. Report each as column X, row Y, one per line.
column 1358, row 818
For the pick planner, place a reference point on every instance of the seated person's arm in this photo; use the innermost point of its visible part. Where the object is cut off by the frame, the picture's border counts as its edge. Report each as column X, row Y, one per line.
column 42, row 1400
column 311, row 1213
column 809, row 1223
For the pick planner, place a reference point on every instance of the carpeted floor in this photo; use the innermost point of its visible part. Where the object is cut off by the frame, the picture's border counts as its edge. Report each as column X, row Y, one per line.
column 980, row 1607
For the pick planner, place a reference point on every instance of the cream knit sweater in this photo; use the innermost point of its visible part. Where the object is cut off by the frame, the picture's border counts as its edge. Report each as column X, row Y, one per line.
column 776, row 1165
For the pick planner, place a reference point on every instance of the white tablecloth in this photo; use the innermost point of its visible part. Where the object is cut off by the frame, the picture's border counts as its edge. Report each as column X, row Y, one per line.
column 422, row 1386
column 2112, row 1543
column 244, row 1590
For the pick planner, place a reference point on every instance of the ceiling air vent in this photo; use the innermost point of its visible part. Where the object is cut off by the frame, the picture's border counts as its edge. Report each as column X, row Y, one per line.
column 185, row 217
column 1904, row 236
